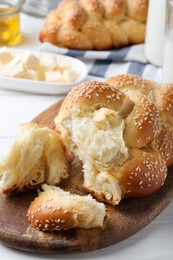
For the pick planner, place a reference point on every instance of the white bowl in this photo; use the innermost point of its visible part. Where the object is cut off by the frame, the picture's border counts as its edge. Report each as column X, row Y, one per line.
column 43, row 87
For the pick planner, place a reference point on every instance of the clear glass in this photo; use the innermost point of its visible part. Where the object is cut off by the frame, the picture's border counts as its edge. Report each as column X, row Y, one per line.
column 168, row 47
column 39, row 8
column 10, row 22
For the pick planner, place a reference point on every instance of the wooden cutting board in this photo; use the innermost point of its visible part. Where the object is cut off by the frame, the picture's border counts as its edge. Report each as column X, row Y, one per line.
column 122, row 221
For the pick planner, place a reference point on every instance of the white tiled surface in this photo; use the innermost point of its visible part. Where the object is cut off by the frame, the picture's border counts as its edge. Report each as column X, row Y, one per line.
column 154, row 242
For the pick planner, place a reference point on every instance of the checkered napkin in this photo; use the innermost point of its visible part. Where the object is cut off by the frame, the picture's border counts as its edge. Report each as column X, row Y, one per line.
column 105, row 64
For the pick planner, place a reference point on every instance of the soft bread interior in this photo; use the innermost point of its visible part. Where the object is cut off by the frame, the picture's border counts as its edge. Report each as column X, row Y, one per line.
column 99, row 138
column 102, row 184
column 34, row 157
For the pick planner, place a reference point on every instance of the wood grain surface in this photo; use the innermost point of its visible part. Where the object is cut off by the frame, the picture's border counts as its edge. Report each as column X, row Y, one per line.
column 121, row 222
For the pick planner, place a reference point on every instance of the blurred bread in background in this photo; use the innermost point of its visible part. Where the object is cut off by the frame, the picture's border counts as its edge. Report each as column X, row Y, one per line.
column 96, row 24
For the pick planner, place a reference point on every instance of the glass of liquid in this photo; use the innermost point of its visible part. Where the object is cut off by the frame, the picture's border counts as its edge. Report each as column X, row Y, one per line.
column 10, row 22
column 39, row 8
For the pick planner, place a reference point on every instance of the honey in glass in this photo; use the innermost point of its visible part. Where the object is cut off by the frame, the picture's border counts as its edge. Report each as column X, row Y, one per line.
column 10, row 23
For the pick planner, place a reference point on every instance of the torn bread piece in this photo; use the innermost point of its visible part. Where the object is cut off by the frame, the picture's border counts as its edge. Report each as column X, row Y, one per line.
column 36, row 156
column 56, row 209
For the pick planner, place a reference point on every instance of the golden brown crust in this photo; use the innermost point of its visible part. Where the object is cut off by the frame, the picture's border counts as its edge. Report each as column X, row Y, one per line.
column 90, row 96
column 103, row 23
column 130, row 82
column 143, row 124
column 143, row 174
column 40, row 216
column 72, row 14
column 162, row 97
column 164, row 144
column 93, row 8
column 134, row 30
column 97, row 33
column 114, row 9
column 137, row 9
column 119, row 37
column 73, row 38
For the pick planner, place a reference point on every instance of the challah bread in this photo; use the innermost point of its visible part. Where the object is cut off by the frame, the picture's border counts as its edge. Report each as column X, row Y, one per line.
column 56, row 209
column 110, row 132
column 36, row 156
column 96, row 24
column 162, row 97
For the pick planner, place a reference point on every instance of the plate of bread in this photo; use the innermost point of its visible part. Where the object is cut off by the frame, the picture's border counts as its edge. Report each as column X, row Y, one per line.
column 91, row 170
column 96, row 24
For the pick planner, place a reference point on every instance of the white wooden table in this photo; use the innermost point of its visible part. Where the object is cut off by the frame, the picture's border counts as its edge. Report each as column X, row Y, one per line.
column 154, row 242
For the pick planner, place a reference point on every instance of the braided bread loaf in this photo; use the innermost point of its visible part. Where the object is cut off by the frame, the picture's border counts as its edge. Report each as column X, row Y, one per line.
column 96, row 24
column 162, row 97
column 110, row 132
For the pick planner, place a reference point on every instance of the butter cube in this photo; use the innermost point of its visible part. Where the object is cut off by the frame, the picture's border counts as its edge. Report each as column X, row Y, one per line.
column 69, row 76
column 5, row 57
column 41, row 74
column 64, row 64
column 31, row 74
column 48, row 62
column 15, row 68
column 54, row 76
column 31, row 62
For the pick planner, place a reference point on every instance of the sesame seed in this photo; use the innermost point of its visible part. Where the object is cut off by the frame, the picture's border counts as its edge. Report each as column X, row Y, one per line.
column 58, row 220
column 46, row 226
